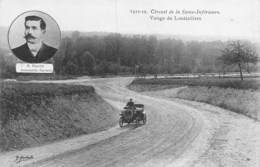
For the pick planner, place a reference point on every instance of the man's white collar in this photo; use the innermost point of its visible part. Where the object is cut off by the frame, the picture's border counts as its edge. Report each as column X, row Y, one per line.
column 34, row 48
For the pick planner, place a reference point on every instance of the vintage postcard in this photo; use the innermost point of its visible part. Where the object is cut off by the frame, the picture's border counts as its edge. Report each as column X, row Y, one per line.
column 134, row 83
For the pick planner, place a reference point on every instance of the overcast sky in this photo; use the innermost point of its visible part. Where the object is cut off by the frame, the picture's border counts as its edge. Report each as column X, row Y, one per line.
column 237, row 18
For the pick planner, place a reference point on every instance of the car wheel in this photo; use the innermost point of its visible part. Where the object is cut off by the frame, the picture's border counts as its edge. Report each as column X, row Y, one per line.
column 144, row 120
column 121, row 122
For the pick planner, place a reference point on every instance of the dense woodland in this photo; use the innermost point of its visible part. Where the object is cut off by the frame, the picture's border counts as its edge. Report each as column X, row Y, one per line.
column 136, row 54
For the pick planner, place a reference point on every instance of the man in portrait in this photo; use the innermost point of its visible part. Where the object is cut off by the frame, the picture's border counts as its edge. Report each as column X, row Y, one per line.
column 34, row 50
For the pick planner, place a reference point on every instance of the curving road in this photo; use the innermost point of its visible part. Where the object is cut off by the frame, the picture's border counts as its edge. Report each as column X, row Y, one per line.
column 174, row 134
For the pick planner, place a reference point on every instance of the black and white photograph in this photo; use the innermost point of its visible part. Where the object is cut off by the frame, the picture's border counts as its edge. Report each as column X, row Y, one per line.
column 129, row 83
column 28, row 35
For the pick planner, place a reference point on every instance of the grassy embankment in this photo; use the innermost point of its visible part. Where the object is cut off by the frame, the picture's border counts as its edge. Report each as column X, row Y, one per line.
column 229, row 93
column 35, row 113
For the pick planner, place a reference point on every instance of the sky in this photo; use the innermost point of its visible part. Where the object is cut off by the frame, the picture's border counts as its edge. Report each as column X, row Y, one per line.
column 237, row 18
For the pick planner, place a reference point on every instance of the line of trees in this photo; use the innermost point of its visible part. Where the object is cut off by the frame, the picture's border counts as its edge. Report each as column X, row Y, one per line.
column 114, row 53
column 117, row 54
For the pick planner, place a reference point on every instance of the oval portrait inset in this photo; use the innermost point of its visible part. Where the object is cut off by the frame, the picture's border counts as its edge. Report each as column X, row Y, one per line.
column 34, row 37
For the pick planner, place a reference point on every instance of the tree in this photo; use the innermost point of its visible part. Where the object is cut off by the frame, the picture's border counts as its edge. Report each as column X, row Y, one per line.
column 251, row 56
column 87, row 63
column 63, row 55
column 240, row 54
column 112, row 48
column 2, row 65
column 71, row 68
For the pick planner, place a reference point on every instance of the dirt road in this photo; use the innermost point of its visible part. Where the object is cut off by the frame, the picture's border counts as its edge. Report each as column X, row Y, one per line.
column 175, row 134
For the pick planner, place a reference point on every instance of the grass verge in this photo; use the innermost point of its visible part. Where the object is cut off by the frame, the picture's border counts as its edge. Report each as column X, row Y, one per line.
column 36, row 113
column 238, row 96
column 245, row 102
column 236, row 83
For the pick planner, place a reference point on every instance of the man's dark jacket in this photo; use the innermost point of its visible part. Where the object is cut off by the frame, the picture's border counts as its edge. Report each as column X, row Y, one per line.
column 130, row 104
column 23, row 52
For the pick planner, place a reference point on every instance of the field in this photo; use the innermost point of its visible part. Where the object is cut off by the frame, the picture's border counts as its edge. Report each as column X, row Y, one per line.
column 35, row 113
column 229, row 93
column 236, row 83
column 12, row 89
column 28, row 77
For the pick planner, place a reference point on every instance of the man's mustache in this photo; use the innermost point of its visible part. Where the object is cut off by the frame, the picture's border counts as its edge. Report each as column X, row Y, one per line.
column 29, row 36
